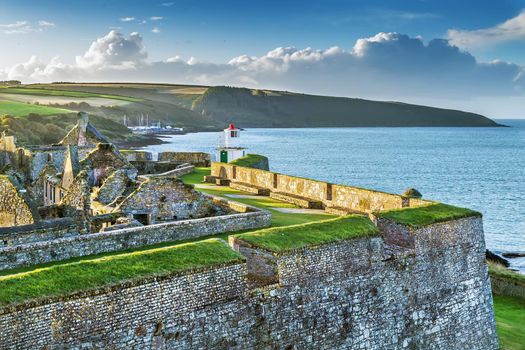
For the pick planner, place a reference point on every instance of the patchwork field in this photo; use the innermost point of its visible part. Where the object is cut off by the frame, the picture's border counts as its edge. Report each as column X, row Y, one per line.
column 62, row 100
column 56, row 92
column 20, row 109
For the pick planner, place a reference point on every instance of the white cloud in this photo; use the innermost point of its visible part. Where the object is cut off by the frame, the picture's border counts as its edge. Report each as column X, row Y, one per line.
column 127, row 19
column 114, row 51
column 155, row 30
column 156, row 18
column 24, row 27
column 46, row 24
column 510, row 30
column 19, row 27
column 167, row 4
column 384, row 66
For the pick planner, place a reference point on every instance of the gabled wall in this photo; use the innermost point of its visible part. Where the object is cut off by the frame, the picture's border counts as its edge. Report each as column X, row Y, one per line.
column 15, row 209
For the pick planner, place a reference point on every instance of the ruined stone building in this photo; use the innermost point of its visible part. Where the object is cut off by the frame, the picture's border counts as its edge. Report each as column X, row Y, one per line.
column 86, row 178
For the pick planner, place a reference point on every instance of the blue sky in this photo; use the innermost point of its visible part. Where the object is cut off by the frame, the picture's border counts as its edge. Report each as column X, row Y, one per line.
column 227, row 42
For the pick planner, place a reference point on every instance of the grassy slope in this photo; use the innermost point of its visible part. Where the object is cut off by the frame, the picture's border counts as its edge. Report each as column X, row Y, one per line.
column 19, row 109
column 63, row 279
column 38, row 129
column 427, row 215
column 502, row 272
column 258, row 108
column 510, row 322
column 282, row 239
column 48, row 92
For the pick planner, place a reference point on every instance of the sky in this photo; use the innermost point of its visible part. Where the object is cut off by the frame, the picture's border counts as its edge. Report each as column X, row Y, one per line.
column 467, row 55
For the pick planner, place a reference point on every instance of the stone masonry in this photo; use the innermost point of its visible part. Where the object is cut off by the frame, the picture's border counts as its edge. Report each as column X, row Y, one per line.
column 347, row 295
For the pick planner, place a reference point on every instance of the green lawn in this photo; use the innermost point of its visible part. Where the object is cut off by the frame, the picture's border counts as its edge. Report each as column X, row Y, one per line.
column 63, row 279
column 426, row 215
column 65, row 93
column 20, row 109
column 282, row 239
column 267, row 203
column 510, row 322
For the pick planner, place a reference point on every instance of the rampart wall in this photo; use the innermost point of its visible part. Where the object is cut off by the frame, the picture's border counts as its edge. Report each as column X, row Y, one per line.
column 96, row 243
column 331, row 195
column 351, row 294
column 41, row 231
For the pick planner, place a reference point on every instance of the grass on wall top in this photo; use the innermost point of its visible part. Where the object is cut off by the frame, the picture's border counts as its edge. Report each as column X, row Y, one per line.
column 249, row 160
column 427, row 215
column 64, row 279
column 289, row 238
column 499, row 271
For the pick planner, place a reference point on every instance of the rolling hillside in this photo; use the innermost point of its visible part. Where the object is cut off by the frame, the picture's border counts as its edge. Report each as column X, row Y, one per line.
column 201, row 108
column 259, row 108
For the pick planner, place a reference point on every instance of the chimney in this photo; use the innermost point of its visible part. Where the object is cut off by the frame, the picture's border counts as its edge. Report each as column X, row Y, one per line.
column 83, row 121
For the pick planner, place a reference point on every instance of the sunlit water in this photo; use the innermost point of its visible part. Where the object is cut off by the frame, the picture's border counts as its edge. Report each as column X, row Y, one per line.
column 479, row 168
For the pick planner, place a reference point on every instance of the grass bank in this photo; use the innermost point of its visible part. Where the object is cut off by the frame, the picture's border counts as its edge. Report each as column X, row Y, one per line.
column 427, row 215
column 250, row 161
column 63, row 279
column 283, row 239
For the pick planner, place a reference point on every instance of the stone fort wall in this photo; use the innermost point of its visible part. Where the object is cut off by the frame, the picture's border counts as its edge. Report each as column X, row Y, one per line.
column 331, row 195
column 358, row 294
column 36, row 249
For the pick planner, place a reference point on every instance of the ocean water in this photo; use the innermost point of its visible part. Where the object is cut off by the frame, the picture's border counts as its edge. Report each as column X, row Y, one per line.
column 478, row 168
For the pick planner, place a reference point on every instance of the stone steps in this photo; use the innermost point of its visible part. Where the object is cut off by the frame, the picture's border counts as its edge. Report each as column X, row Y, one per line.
column 297, row 200
column 222, row 182
column 210, row 179
column 244, row 187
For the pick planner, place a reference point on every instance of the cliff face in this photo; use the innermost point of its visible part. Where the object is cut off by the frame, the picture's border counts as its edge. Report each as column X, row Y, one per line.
column 262, row 108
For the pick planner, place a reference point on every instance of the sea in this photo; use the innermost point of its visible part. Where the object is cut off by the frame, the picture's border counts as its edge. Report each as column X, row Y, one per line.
column 478, row 168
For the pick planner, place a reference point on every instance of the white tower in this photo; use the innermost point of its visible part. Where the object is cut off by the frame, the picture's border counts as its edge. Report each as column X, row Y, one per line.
column 229, row 148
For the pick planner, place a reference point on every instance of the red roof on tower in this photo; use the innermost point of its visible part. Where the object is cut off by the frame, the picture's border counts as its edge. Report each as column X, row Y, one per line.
column 232, row 126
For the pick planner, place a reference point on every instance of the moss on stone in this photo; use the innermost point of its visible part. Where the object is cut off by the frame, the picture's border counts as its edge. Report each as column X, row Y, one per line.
column 427, row 215
column 252, row 161
column 64, row 279
column 412, row 193
column 282, row 239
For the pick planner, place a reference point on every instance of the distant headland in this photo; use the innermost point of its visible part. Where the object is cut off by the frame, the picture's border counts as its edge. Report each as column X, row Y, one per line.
column 42, row 113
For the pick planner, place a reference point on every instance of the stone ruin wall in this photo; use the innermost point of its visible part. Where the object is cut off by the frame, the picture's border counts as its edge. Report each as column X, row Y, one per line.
column 331, row 195
column 200, row 159
column 167, row 199
column 41, row 251
column 41, row 231
column 352, row 294
column 14, row 209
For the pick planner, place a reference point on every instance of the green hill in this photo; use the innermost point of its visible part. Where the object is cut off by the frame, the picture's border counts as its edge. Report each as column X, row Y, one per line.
column 199, row 108
column 261, row 108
